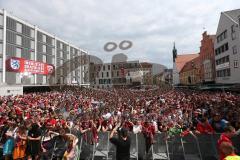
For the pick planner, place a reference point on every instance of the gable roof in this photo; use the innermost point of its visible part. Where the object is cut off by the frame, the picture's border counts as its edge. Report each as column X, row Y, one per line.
column 233, row 15
column 181, row 60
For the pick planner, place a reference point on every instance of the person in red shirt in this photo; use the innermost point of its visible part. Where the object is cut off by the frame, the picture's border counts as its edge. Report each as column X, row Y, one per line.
column 203, row 127
column 225, row 139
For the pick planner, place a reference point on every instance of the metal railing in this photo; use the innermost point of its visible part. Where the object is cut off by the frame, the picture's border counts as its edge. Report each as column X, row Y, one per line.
column 190, row 147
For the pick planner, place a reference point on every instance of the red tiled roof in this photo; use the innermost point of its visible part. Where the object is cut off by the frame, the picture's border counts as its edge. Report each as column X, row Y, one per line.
column 181, row 60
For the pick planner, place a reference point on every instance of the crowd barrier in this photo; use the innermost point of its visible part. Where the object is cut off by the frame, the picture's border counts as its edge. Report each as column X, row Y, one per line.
column 190, row 147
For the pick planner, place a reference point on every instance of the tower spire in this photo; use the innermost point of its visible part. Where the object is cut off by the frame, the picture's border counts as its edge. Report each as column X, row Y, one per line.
column 174, row 52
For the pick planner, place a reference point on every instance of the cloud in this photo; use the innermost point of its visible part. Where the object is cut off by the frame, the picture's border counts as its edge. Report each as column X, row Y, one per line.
column 152, row 25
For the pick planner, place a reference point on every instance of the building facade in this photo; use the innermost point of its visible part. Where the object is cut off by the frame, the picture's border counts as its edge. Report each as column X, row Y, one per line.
column 207, row 58
column 227, row 48
column 30, row 51
column 178, row 63
column 120, row 74
column 190, row 74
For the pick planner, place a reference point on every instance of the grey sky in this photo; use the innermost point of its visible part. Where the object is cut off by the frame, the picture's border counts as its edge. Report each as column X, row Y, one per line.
column 152, row 25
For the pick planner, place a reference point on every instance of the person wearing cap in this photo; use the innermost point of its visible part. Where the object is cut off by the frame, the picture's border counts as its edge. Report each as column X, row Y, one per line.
column 122, row 143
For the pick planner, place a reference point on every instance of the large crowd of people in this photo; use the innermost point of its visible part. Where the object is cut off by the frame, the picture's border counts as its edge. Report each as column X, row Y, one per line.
column 27, row 121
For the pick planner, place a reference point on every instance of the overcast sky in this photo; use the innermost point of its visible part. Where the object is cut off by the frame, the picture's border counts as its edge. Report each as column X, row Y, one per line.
column 152, row 25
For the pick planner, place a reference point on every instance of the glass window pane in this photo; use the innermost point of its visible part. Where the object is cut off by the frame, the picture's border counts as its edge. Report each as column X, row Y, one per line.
column 1, row 48
column 1, row 34
column 1, row 20
column 19, row 28
column 18, row 52
column 1, row 63
column 18, row 40
column 32, row 33
column 32, row 45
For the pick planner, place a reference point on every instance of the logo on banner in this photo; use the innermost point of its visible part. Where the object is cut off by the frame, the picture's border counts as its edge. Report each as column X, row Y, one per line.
column 15, row 64
column 50, row 69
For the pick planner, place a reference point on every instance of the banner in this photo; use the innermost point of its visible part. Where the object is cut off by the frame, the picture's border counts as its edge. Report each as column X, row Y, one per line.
column 15, row 64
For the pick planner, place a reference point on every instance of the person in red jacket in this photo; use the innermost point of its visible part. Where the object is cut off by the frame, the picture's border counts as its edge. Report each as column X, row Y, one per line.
column 203, row 127
column 225, row 139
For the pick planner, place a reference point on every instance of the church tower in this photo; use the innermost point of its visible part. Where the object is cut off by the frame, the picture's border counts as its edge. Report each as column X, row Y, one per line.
column 174, row 52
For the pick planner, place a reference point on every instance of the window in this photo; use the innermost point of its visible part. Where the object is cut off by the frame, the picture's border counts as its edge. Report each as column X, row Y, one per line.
column 222, row 36
column 235, row 63
column 18, row 52
column 1, row 34
column 32, row 33
column 32, row 45
column 238, row 20
column 107, row 74
column 61, row 54
column 0, row 76
column 44, row 38
column 61, row 46
column 1, row 63
column 233, row 32
column 108, row 67
column 53, row 60
column 1, row 48
column 224, row 73
column 234, row 49
column 221, row 49
column 44, row 79
column 1, row 20
column 103, row 67
column 18, row 40
column 68, row 56
column 232, row 29
column 53, row 51
column 44, row 58
column 53, row 42
column 225, row 34
column 226, row 47
column 32, row 55
column 18, row 78
column 102, row 74
column 44, row 48
column 19, row 27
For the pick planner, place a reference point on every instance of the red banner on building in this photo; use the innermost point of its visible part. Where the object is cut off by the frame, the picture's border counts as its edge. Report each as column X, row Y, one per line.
column 15, row 64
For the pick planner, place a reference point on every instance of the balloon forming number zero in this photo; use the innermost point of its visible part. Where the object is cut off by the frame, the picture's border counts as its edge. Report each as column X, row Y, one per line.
column 111, row 46
column 124, row 45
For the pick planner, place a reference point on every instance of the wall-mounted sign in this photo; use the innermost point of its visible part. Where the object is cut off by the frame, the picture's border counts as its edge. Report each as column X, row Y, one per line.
column 15, row 64
column 224, row 65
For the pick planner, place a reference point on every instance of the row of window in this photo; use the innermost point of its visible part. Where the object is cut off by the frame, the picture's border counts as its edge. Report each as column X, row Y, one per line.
column 224, row 73
column 19, row 40
column 20, row 28
column 222, row 36
column 104, row 81
column 126, row 65
column 221, row 49
column 45, row 38
column 222, row 60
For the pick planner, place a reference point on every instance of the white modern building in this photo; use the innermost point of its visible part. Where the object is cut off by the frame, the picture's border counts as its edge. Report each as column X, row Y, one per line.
column 227, row 48
column 32, row 56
